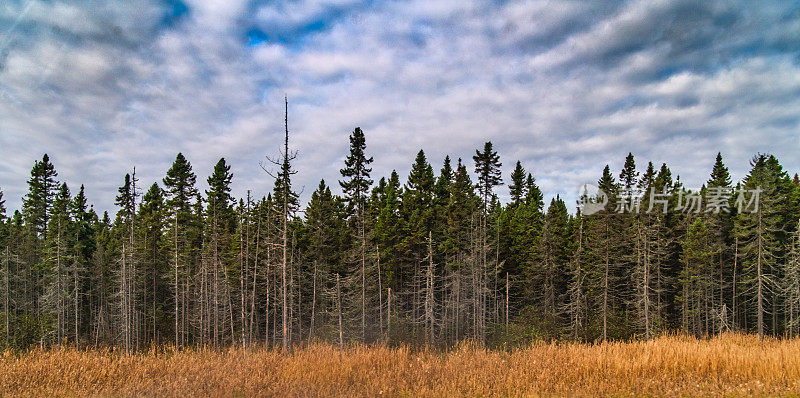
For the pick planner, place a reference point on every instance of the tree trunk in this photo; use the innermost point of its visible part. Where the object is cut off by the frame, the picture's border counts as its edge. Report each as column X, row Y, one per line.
column 339, row 308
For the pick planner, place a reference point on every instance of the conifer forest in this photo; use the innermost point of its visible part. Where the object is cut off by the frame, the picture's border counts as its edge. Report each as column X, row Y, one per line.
column 430, row 258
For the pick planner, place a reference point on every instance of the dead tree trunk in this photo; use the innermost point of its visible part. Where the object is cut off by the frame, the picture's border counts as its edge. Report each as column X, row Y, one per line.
column 429, row 321
column 339, row 308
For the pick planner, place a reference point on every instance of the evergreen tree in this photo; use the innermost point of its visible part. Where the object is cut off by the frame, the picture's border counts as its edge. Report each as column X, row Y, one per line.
column 759, row 229
column 487, row 168
column 356, row 185
column 326, row 229
column 533, row 195
column 83, row 249
column 356, row 182
column 696, row 278
column 42, row 186
column 550, row 262
column 442, row 198
column 54, row 270
column 218, row 195
column 720, row 177
column 179, row 186
column 517, row 189
column 155, row 265
column 605, row 273
column 220, row 220
column 718, row 218
column 386, row 207
column 628, row 175
column 417, row 208
column 462, row 210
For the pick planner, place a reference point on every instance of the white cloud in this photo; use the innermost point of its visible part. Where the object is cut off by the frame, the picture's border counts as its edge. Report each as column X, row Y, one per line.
column 564, row 86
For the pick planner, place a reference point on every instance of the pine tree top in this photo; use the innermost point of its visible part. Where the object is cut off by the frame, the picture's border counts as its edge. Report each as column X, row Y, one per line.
column 720, row 177
column 517, row 187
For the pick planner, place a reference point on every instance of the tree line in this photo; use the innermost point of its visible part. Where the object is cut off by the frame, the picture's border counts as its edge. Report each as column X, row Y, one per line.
column 432, row 260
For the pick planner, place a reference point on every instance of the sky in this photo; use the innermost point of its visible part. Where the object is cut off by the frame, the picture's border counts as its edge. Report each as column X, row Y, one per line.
column 565, row 87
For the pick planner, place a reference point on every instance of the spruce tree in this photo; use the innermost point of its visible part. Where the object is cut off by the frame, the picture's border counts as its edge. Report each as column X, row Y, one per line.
column 152, row 221
column 718, row 217
column 517, row 188
column 220, row 219
column 388, row 224
column 605, row 273
column 696, row 278
column 462, row 210
column 442, row 198
column 179, row 186
column 417, row 205
column 628, row 175
column 355, row 186
column 325, row 225
column 759, row 231
column 83, row 249
column 487, row 168
column 58, row 254
column 42, row 187
column 720, row 177
column 356, row 171
column 549, row 265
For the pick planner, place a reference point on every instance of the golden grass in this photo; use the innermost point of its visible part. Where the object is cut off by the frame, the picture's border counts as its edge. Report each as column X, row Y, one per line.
column 728, row 365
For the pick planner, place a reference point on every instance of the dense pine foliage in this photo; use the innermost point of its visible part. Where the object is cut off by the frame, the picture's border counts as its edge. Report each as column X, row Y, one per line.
column 435, row 259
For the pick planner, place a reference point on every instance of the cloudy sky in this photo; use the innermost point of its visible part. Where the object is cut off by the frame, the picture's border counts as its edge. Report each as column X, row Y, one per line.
column 564, row 86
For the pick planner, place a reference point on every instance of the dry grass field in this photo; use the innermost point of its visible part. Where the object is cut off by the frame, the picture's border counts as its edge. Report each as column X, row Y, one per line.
column 729, row 365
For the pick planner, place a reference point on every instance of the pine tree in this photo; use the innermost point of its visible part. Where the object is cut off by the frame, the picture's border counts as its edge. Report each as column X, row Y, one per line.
column 526, row 222
column 219, row 219
column 462, row 209
column 83, row 249
column 58, row 255
column 441, row 199
column 696, row 278
column 759, row 231
column 720, row 177
column 628, row 175
column 417, row 208
column 550, row 261
column 179, row 186
column 517, row 188
column 718, row 218
column 42, row 186
column 125, row 223
column 356, row 185
column 356, row 182
column 605, row 273
column 386, row 209
column 487, row 168
column 576, row 307
column 326, row 228
column 155, row 265
column 533, row 195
